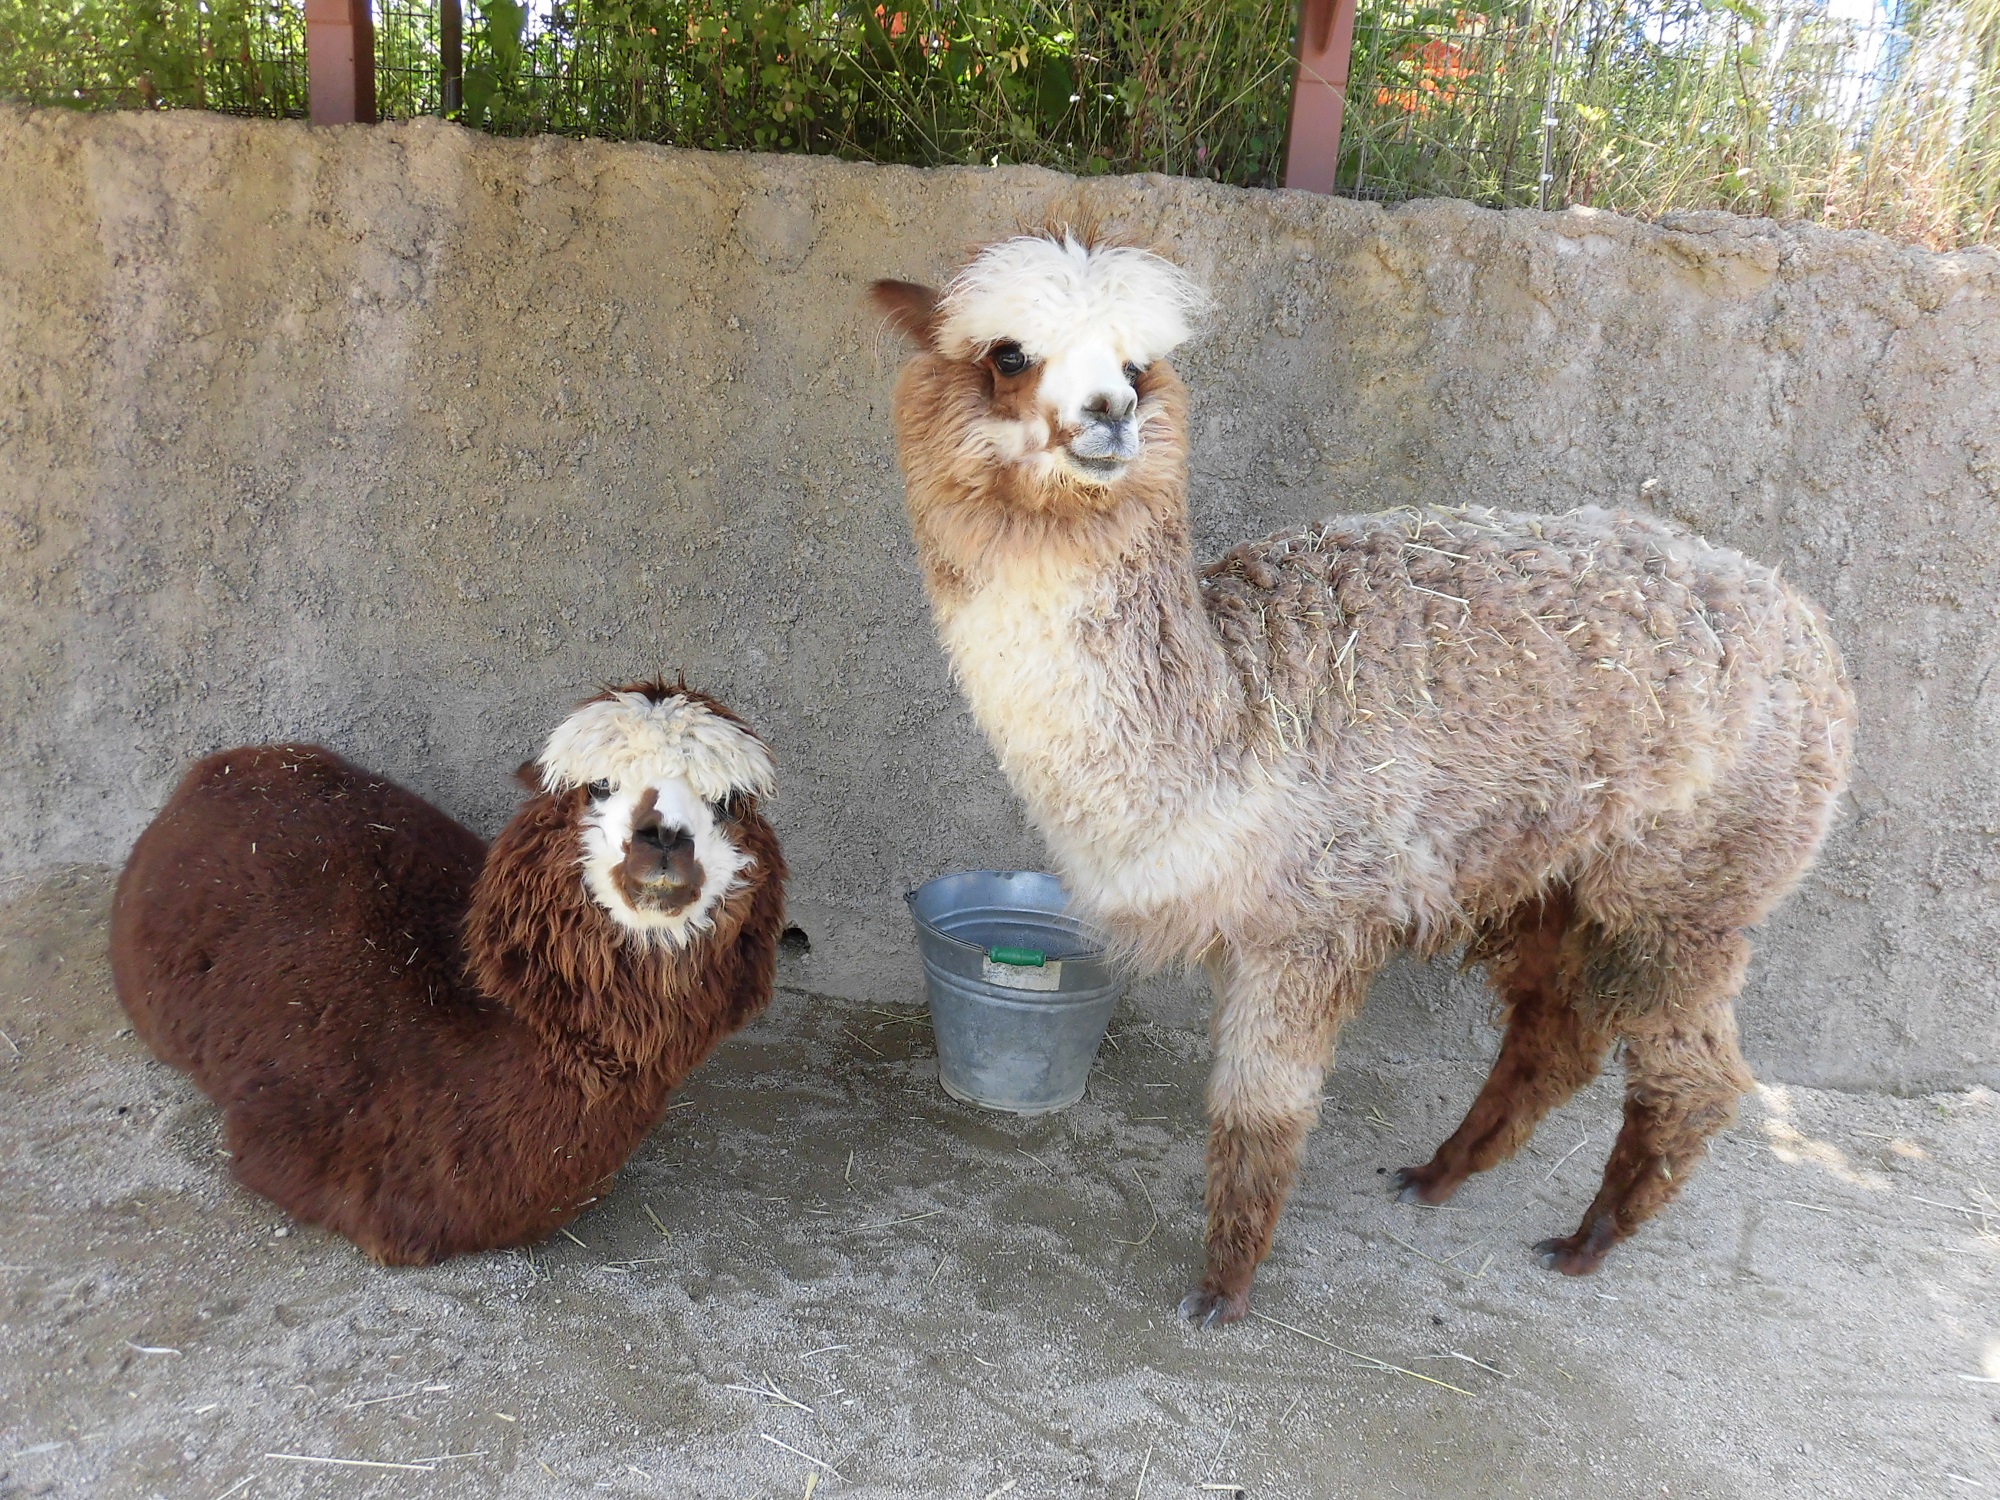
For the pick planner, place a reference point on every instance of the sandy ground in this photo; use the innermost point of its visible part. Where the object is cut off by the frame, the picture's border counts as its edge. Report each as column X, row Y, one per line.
column 936, row 1302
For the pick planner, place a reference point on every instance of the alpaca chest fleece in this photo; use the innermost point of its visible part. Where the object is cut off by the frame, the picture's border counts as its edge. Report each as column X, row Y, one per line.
column 1041, row 652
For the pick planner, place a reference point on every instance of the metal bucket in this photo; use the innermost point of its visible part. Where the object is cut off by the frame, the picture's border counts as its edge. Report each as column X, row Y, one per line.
column 1020, row 991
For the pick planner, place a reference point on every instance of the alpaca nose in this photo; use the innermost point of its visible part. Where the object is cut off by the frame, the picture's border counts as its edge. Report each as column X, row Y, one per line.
column 1109, row 432
column 662, row 862
column 1112, row 407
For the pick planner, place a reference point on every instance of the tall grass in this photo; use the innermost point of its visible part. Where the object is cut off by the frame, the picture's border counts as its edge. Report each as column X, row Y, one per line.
column 1197, row 90
column 1647, row 106
column 241, row 56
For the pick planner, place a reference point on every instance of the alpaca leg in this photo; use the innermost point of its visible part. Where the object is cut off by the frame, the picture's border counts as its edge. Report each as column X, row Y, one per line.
column 1551, row 1049
column 1683, row 1075
column 1274, row 1029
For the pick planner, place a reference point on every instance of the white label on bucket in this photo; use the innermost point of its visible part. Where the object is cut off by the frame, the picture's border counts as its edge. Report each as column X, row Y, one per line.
column 1027, row 977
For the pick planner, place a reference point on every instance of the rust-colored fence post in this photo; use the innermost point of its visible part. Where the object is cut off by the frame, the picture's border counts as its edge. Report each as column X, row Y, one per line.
column 451, row 59
column 340, row 61
column 1319, row 94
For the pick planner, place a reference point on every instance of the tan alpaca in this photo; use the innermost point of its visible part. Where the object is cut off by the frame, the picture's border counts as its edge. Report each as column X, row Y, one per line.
column 1590, row 749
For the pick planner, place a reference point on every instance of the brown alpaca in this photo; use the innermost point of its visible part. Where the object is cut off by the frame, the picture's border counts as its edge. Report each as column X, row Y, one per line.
column 1589, row 749
column 431, row 1046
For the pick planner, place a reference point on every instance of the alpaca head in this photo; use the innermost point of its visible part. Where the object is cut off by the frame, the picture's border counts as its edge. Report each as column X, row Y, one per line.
column 661, row 779
column 1054, row 349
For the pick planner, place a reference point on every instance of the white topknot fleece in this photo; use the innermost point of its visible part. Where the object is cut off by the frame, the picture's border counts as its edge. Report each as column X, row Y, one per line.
column 628, row 739
column 1047, row 293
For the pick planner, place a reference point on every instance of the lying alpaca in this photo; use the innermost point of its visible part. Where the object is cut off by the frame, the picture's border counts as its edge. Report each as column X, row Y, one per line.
column 1590, row 748
column 427, row 1045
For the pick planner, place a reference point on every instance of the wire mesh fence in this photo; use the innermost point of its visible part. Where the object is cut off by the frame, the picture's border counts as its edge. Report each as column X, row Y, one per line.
column 1200, row 90
column 1883, row 114
column 1876, row 113
column 409, row 73
column 1161, row 85
column 1444, row 102
column 245, row 57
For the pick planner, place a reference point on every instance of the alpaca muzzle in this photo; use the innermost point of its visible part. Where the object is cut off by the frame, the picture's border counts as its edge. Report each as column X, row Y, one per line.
column 1113, row 441
column 1100, row 450
column 660, row 869
column 1108, row 435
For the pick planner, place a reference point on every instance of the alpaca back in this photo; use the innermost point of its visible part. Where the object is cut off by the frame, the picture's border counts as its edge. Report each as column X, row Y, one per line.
column 1480, row 699
column 288, row 930
column 263, row 900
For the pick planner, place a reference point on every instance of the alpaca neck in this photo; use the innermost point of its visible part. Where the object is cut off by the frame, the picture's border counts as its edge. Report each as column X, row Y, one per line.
column 601, row 1008
column 1080, row 639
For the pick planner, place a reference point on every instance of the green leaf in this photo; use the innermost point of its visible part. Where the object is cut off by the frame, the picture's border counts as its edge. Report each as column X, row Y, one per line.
column 1052, row 90
column 476, row 91
column 506, row 22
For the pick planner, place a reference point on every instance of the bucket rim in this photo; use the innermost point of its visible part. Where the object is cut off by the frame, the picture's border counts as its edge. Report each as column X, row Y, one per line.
column 1099, row 944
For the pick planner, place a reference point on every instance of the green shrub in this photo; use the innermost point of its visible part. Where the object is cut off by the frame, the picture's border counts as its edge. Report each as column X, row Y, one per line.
column 1658, row 105
column 240, row 56
column 1196, row 90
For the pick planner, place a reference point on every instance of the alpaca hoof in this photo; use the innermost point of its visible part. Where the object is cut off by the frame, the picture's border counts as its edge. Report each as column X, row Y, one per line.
column 1206, row 1309
column 1571, row 1254
column 1423, row 1185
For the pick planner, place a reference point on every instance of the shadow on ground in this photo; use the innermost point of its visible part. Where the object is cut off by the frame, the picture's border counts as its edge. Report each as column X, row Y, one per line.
column 823, row 1276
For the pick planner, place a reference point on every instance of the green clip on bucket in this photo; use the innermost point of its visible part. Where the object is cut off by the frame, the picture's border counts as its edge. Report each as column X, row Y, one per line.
column 1019, row 989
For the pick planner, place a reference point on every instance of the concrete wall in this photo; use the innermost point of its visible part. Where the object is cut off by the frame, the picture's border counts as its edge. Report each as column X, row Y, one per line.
column 402, row 438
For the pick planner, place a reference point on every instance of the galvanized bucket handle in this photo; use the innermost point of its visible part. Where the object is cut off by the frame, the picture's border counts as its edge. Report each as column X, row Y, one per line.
column 1018, row 958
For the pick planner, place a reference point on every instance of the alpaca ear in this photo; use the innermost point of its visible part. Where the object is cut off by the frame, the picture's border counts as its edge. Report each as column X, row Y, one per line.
column 911, row 309
column 529, row 775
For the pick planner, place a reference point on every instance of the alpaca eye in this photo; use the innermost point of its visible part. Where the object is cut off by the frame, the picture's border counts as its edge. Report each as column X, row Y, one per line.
column 1133, row 372
column 599, row 790
column 1009, row 358
column 728, row 809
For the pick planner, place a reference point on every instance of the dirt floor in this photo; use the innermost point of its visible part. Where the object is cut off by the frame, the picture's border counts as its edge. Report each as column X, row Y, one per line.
column 864, row 1288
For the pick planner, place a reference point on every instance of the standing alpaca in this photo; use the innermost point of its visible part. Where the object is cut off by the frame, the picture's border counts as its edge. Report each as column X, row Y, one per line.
column 1591, row 749
column 432, row 1046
